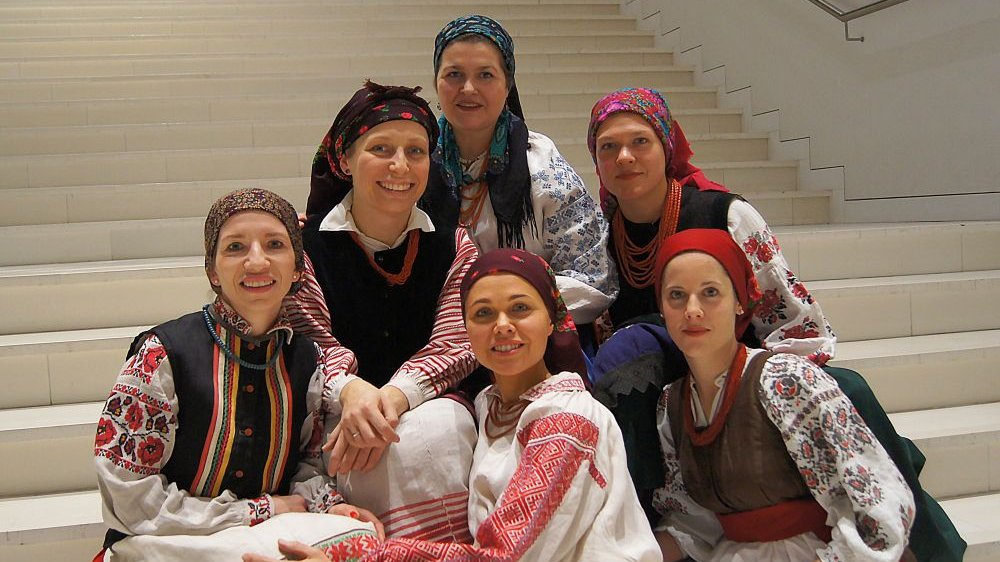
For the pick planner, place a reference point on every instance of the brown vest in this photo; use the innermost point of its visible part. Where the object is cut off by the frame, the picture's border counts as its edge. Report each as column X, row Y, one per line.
column 747, row 466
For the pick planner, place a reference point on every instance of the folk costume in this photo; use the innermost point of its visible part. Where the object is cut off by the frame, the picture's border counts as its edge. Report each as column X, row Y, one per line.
column 206, row 421
column 549, row 482
column 788, row 319
column 521, row 193
column 639, row 359
column 782, row 467
column 395, row 309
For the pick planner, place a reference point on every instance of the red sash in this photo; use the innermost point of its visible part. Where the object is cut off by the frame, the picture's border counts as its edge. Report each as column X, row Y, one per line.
column 776, row 522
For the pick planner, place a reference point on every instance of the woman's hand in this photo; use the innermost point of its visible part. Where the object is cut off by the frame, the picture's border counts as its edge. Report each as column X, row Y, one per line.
column 289, row 504
column 293, row 550
column 367, row 425
column 345, row 457
column 363, row 515
column 668, row 546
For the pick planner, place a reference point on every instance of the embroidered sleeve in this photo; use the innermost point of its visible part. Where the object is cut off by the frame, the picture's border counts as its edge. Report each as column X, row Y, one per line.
column 845, row 467
column 135, row 439
column 788, row 319
column 311, row 480
column 695, row 528
column 576, row 237
column 556, row 482
column 309, row 315
column 447, row 358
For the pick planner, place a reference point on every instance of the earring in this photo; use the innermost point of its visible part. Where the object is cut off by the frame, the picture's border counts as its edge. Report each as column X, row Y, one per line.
column 739, row 310
column 439, row 106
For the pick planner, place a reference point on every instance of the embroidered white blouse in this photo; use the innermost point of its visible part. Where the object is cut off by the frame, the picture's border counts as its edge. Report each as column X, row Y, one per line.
column 135, row 439
column 572, row 231
column 788, row 319
column 869, row 505
column 556, row 489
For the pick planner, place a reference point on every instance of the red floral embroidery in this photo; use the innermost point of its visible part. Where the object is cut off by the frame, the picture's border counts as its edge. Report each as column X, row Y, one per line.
column 152, row 358
column 771, row 307
column 406, row 115
column 105, row 432
column 151, row 450
column 351, row 548
column 133, row 416
column 759, row 248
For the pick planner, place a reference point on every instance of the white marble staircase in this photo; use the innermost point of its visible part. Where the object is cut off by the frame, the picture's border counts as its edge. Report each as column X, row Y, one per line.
column 122, row 120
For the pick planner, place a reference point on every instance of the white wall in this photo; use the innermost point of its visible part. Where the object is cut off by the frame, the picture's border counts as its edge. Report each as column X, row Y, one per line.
column 912, row 113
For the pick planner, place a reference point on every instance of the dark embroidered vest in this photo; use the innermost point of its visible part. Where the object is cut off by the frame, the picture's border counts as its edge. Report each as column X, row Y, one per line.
column 384, row 325
column 699, row 209
column 191, row 351
column 747, row 466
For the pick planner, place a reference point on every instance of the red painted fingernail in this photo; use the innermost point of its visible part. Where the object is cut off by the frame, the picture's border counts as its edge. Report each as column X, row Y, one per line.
column 354, row 515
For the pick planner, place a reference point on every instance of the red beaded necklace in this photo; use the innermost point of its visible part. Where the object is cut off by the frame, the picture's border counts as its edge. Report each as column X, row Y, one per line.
column 636, row 261
column 412, row 244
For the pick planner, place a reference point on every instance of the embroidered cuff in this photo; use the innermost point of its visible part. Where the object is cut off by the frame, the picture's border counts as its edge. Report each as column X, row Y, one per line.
column 261, row 509
column 324, row 502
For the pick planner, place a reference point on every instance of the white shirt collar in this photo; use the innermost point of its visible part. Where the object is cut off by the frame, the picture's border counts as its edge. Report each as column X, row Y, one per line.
column 340, row 218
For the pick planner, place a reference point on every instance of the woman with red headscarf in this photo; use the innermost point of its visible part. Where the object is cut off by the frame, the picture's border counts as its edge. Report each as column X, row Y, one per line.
column 650, row 190
column 765, row 457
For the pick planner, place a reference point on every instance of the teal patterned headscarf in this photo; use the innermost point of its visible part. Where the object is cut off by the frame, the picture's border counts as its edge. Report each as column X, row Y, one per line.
column 505, row 169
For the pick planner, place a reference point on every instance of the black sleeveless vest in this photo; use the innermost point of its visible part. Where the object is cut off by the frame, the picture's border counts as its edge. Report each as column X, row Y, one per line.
column 699, row 209
column 384, row 325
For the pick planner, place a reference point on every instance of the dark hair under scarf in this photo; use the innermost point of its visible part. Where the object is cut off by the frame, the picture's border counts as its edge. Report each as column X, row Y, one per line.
column 372, row 105
column 506, row 168
column 563, row 351
column 253, row 199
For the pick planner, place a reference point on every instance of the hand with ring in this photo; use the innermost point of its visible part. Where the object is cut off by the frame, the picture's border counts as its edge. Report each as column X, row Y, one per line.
column 367, row 425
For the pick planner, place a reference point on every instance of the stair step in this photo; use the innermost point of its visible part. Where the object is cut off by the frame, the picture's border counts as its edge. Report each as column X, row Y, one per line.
column 252, row 63
column 51, row 524
column 831, row 251
column 115, row 293
column 351, row 10
column 926, row 372
column 229, row 107
column 963, row 440
column 252, row 162
column 328, row 24
column 977, row 523
column 331, row 80
column 265, row 132
column 910, row 305
column 59, row 440
column 101, row 294
column 300, row 42
column 74, row 366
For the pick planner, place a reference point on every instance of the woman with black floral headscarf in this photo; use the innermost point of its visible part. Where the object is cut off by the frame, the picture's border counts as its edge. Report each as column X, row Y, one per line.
column 380, row 296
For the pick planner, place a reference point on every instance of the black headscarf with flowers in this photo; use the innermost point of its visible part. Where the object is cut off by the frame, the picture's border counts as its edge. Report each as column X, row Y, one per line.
column 372, row 105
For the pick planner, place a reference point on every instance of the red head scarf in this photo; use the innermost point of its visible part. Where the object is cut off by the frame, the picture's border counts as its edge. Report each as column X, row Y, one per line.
column 720, row 245
column 563, row 352
column 651, row 106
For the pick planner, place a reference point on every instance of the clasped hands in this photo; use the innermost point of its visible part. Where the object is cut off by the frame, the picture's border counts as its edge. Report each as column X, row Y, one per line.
column 367, row 426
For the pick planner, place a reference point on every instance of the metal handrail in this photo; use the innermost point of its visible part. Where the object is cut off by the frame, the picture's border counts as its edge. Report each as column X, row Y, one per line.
column 854, row 14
